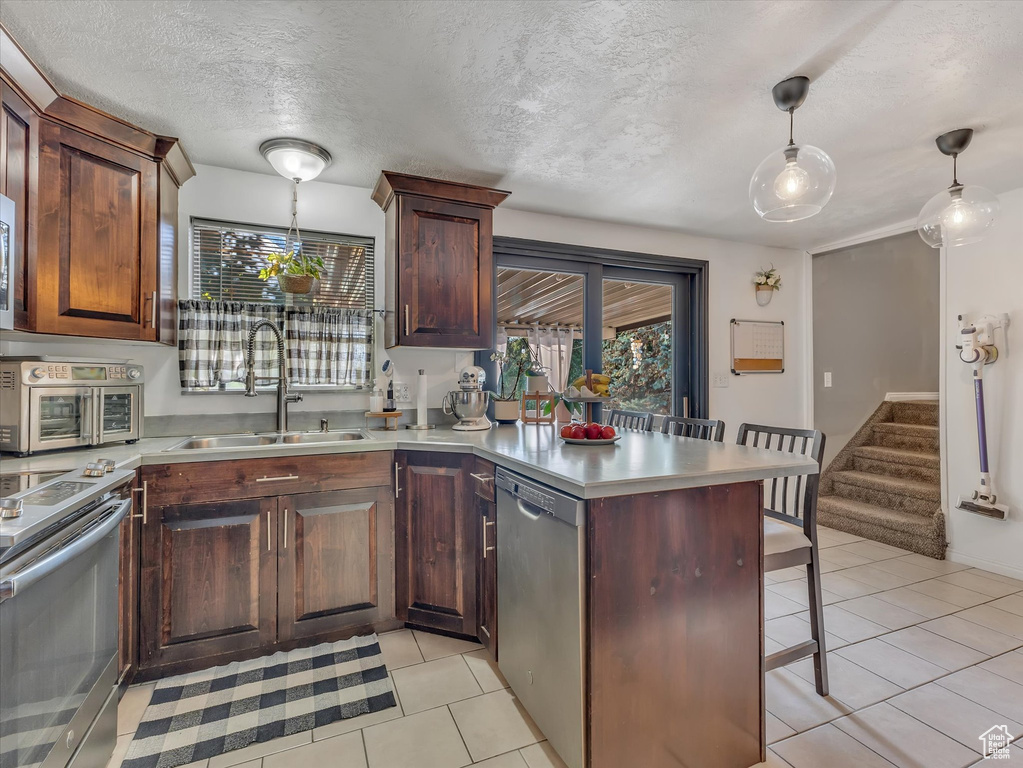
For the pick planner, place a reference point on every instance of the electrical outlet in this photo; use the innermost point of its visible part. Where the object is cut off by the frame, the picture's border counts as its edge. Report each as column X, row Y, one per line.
column 721, row 380
column 402, row 393
column 827, row 378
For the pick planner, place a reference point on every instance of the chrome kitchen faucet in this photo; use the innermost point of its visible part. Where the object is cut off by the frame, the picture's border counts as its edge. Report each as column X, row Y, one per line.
column 283, row 397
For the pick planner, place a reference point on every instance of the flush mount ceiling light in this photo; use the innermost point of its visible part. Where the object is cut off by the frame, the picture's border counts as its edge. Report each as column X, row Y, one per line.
column 958, row 215
column 796, row 181
column 295, row 159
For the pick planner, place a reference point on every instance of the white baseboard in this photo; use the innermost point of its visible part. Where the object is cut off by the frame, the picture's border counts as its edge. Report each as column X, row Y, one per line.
column 899, row 397
column 1012, row 571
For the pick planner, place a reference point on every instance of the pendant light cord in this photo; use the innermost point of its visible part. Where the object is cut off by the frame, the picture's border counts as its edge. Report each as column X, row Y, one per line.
column 792, row 112
column 955, row 169
column 294, row 217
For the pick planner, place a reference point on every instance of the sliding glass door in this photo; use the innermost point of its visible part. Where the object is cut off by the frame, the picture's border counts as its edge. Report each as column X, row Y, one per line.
column 640, row 320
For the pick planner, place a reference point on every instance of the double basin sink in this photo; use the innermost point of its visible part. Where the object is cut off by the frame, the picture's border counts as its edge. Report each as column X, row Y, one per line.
column 256, row 441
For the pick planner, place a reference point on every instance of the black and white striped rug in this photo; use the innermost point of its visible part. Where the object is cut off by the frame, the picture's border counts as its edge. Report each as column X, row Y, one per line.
column 196, row 716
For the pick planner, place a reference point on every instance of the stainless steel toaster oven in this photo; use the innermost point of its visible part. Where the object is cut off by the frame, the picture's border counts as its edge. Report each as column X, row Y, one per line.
column 48, row 403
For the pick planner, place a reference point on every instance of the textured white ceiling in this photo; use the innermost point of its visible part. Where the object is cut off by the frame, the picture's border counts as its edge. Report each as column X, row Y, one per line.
column 652, row 113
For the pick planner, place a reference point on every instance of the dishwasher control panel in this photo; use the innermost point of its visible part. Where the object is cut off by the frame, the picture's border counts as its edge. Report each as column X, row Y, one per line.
column 535, row 497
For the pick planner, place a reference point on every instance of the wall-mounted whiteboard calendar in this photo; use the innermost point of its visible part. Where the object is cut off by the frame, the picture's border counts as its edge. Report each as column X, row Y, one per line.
column 758, row 347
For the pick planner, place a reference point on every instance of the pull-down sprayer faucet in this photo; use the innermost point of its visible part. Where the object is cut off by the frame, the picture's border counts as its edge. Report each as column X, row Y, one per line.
column 283, row 397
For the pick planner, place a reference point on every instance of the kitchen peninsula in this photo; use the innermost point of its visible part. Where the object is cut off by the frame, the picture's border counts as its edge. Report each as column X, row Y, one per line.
column 671, row 551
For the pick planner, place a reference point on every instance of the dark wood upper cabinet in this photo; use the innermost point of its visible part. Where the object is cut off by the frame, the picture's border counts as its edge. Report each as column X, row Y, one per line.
column 96, row 201
column 97, row 243
column 335, row 561
column 18, row 151
column 439, row 263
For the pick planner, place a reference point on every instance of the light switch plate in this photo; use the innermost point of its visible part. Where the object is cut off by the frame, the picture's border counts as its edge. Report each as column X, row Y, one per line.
column 721, row 380
column 827, row 378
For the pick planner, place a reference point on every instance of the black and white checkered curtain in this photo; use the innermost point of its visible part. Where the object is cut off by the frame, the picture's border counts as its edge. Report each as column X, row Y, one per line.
column 326, row 346
column 329, row 346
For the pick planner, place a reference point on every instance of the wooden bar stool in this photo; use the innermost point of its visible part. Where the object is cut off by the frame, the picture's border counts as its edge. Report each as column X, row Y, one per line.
column 790, row 535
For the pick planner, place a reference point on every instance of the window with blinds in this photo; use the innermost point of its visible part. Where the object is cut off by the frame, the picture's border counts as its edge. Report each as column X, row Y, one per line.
column 227, row 257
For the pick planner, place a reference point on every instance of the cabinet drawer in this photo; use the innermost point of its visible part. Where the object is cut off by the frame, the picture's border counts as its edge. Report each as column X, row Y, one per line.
column 255, row 478
column 483, row 480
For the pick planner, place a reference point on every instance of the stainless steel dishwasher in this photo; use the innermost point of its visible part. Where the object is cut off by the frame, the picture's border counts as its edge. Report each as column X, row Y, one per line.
column 540, row 560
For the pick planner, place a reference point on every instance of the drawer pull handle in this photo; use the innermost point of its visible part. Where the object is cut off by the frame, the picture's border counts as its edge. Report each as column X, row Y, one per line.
column 274, row 479
column 268, row 531
column 482, row 478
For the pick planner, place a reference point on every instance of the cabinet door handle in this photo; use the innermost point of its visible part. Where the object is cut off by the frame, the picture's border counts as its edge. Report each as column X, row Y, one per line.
column 482, row 478
column 485, row 547
column 274, row 479
column 268, row 530
column 285, row 528
column 406, row 319
column 397, row 488
column 144, row 490
column 151, row 298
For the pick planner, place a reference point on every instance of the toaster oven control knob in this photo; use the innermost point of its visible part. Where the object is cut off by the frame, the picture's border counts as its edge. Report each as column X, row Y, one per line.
column 133, row 373
column 38, row 373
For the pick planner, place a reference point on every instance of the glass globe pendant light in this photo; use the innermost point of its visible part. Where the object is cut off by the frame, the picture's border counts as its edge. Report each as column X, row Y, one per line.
column 797, row 181
column 960, row 214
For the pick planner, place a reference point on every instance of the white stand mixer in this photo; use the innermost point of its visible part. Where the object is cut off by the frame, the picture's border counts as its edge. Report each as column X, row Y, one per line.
column 469, row 402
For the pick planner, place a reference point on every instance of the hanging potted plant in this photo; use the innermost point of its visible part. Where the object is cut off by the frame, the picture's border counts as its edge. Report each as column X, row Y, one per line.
column 295, row 273
column 506, row 402
column 766, row 281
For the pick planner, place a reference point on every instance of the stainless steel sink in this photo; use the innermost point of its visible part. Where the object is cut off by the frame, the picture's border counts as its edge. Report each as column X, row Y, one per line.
column 224, row 441
column 321, row 437
column 256, row 441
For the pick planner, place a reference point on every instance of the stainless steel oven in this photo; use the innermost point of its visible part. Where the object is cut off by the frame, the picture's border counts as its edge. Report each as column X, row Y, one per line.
column 59, row 622
column 47, row 403
column 7, row 245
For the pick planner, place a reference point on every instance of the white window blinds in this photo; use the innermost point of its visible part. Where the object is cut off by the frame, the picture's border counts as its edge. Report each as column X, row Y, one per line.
column 227, row 257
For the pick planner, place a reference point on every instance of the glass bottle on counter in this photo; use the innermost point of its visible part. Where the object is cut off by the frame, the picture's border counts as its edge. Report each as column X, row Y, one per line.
column 376, row 400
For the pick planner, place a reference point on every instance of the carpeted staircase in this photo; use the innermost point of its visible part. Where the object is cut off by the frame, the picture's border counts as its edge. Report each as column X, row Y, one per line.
column 885, row 484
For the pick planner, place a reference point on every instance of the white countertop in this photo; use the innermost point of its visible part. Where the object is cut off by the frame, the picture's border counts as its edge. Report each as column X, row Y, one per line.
column 641, row 462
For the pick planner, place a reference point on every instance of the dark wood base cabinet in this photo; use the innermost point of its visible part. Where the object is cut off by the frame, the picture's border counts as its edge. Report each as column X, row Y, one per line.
column 241, row 577
column 486, row 576
column 436, row 540
column 674, row 629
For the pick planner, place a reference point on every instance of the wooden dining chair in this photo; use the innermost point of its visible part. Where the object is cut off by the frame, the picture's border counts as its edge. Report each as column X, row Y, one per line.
column 643, row 422
column 790, row 534
column 702, row 429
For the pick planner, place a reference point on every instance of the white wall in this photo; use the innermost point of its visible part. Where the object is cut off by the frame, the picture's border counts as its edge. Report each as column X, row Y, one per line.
column 986, row 277
column 219, row 193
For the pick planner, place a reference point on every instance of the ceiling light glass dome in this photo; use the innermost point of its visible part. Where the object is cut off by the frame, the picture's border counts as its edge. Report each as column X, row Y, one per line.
column 295, row 159
column 796, row 181
column 959, row 215
column 792, row 183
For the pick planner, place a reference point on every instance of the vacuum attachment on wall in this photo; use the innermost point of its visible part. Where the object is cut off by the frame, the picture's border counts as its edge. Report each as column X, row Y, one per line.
column 977, row 348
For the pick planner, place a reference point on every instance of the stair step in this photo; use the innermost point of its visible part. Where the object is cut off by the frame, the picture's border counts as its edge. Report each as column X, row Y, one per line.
column 871, row 513
column 916, row 412
column 911, row 437
column 899, row 456
column 914, row 465
column 900, row 494
column 917, row 533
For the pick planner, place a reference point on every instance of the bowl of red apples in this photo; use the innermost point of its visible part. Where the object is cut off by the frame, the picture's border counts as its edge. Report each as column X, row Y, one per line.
column 578, row 433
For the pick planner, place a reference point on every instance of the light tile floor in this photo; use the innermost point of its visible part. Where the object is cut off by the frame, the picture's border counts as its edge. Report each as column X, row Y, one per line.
column 924, row 657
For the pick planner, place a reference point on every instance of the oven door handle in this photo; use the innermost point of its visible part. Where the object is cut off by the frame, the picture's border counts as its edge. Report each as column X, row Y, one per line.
column 43, row 567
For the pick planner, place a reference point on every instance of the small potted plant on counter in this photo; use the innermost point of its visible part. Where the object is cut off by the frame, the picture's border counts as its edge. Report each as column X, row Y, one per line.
column 510, row 363
column 295, row 272
column 767, row 281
